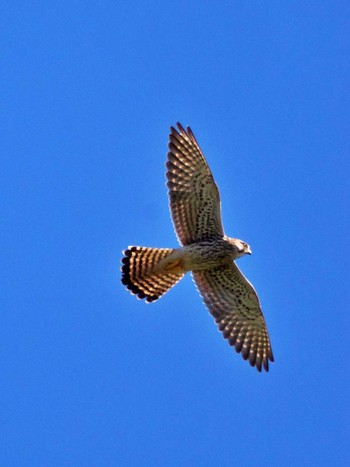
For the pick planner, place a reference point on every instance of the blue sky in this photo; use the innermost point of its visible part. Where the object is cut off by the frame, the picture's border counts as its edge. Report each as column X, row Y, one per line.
column 90, row 375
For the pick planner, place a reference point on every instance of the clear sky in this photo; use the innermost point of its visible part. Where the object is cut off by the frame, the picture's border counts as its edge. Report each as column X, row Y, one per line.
column 91, row 376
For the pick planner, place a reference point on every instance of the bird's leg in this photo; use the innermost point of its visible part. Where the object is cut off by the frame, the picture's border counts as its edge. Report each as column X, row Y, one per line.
column 174, row 266
column 174, row 263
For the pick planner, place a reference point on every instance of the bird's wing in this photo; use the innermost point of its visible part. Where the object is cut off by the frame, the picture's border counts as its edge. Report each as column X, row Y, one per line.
column 234, row 304
column 193, row 194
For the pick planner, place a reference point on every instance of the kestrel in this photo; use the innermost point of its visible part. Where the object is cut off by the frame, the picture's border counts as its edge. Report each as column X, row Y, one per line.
column 205, row 251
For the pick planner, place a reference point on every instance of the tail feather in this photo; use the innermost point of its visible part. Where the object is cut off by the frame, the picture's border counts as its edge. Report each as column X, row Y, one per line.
column 140, row 275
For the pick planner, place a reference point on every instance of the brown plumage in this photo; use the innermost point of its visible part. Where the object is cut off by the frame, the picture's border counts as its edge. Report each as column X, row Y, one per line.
column 139, row 274
column 206, row 252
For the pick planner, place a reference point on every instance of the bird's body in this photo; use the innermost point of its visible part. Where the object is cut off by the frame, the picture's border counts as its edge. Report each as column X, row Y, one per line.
column 205, row 251
column 204, row 255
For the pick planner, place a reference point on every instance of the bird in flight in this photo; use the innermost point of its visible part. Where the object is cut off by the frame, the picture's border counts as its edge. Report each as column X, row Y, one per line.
column 205, row 251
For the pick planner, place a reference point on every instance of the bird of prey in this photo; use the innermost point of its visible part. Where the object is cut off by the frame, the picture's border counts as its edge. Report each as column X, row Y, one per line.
column 205, row 251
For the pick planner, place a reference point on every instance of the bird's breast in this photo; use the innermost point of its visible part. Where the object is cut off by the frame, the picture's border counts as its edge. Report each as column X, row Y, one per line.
column 206, row 255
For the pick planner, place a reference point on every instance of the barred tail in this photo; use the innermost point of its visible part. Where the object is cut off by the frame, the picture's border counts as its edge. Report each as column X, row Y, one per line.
column 140, row 275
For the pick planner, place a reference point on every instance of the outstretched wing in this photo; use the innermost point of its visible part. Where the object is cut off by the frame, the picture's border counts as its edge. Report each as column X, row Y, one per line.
column 234, row 304
column 193, row 194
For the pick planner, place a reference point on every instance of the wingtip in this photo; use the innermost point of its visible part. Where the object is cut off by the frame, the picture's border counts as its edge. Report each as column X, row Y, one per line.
column 180, row 130
column 180, row 127
column 190, row 133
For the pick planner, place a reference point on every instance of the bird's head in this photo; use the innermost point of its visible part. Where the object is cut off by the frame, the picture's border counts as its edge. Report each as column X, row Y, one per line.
column 241, row 248
column 244, row 248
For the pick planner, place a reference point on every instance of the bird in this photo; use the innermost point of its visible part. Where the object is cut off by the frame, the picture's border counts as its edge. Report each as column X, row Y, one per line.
column 205, row 251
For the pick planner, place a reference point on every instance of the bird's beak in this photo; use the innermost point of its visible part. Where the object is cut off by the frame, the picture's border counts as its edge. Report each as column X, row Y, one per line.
column 249, row 251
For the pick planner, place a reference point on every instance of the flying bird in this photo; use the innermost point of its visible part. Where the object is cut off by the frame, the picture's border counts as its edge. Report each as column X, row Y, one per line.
column 205, row 251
